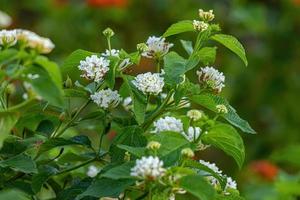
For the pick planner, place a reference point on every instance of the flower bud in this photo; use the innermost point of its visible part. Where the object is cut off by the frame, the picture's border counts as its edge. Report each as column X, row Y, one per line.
column 188, row 153
column 222, row 109
column 195, row 114
column 153, row 145
column 68, row 82
column 200, row 25
column 127, row 156
column 206, row 16
column 108, row 32
column 141, row 47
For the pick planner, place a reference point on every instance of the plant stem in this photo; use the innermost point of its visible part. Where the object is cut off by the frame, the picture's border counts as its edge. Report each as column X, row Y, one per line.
column 67, row 125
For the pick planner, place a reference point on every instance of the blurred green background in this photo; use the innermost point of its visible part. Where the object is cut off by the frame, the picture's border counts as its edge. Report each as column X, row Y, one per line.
column 266, row 93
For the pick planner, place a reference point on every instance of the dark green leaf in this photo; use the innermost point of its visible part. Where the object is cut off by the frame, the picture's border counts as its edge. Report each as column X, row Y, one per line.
column 233, row 44
column 226, row 138
column 75, row 93
column 174, row 66
column 46, row 127
column 119, row 172
column 21, row 163
column 43, row 175
column 137, row 151
column 197, row 186
column 179, row 27
column 105, row 187
column 210, row 102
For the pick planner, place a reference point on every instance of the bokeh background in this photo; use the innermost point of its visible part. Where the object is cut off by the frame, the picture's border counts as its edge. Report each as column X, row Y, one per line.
column 266, row 93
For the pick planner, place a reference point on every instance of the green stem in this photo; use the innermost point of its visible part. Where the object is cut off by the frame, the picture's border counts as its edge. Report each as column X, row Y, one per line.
column 67, row 125
column 109, row 44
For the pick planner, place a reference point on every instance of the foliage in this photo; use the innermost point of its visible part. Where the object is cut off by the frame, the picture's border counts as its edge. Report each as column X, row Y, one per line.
column 159, row 127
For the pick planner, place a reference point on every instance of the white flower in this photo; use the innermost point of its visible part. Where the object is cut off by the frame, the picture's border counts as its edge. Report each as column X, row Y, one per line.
column 212, row 166
column 127, row 103
column 156, row 47
column 25, row 96
column 5, row 20
column 106, row 98
column 113, row 52
column 195, row 114
column 8, row 37
column 200, row 25
column 92, row 171
column 206, row 16
column 148, row 168
column 94, row 68
column 222, row 109
column 168, row 124
column 212, row 78
column 231, row 184
column 33, row 40
column 149, row 83
column 33, row 76
column 192, row 134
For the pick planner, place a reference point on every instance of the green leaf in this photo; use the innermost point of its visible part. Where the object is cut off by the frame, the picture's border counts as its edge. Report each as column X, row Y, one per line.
column 105, row 187
column 46, row 127
column 226, row 138
column 7, row 55
column 130, row 136
column 13, row 194
column 210, row 102
column 45, row 86
column 70, row 66
column 206, row 55
column 233, row 44
column 195, row 164
column 75, row 93
column 171, row 141
column 119, row 172
column 137, row 151
column 188, row 46
column 7, row 122
column 21, row 163
column 179, row 27
column 52, row 69
column 39, row 179
column 58, row 142
column 197, row 186
column 174, row 66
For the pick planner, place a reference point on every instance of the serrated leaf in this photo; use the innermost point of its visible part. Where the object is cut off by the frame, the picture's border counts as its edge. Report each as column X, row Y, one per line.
column 179, row 27
column 41, row 177
column 119, row 172
column 210, row 102
column 171, row 141
column 59, row 142
column 137, row 151
column 175, row 67
column 197, row 186
column 226, row 138
column 233, row 44
column 70, row 66
column 105, row 187
column 21, row 163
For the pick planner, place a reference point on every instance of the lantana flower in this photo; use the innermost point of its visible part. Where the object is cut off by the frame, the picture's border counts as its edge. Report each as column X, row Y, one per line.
column 106, row 98
column 211, row 78
column 149, row 83
column 168, row 124
column 156, row 47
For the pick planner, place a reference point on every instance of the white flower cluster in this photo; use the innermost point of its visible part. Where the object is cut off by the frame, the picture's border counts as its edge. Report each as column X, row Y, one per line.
column 149, row 83
column 212, row 78
column 112, row 52
column 5, row 20
column 230, row 183
column 8, row 37
column 156, row 47
column 94, row 68
column 34, row 41
column 194, row 114
column 106, row 98
column 92, row 171
column 168, row 124
column 148, row 168
column 200, row 25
